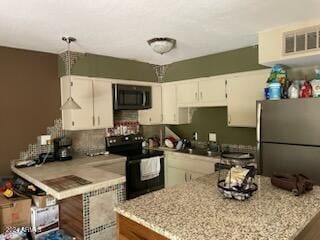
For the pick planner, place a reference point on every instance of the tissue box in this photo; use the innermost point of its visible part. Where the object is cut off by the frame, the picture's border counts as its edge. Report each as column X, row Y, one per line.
column 44, row 219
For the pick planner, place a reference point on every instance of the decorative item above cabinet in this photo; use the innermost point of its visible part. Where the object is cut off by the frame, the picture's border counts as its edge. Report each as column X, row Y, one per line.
column 292, row 45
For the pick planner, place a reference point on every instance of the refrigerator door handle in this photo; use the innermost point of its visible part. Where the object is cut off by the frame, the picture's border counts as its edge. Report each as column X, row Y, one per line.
column 259, row 110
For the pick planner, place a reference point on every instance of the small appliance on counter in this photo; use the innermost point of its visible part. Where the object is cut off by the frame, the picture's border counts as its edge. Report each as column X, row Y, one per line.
column 62, row 149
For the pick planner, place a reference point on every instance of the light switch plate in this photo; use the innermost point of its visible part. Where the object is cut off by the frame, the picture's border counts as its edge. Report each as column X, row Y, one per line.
column 212, row 137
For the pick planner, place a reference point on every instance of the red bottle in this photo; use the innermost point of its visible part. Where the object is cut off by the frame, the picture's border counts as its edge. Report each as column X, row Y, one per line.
column 305, row 90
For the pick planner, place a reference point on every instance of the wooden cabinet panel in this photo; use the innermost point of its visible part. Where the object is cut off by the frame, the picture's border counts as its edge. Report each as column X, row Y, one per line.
column 103, row 107
column 212, row 91
column 187, row 93
column 243, row 92
column 71, row 216
column 130, row 230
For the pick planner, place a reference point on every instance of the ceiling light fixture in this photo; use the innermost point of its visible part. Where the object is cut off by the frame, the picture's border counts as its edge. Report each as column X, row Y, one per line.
column 70, row 104
column 162, row 45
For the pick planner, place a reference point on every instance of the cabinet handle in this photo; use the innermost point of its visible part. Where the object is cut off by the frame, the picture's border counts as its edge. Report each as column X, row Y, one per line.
column 149, row 119
column 196, row 95
column 72, row 123
column 93, row 120
column 99, row 120
column 200, row 95
column 185, row 177
column 190, row 177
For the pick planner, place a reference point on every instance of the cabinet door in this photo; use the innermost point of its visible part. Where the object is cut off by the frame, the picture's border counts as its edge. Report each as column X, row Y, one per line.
column 171, row 113
column 82, row 92
column 103, row 107
column 212, row 91
column 169, row 104
column 175, row 176
column 243, row 92
column 187, row 93
column 152, row 116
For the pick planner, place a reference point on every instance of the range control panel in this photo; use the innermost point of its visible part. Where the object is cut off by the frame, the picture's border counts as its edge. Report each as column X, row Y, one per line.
column 123, row 139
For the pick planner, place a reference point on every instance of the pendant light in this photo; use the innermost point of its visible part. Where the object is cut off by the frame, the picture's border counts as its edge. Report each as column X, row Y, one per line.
column 70, row 104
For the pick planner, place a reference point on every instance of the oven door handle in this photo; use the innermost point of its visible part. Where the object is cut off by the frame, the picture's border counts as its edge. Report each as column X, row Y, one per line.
column 144, row 99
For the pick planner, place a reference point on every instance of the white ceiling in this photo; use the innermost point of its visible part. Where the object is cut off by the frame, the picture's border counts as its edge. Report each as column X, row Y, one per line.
column 120, row 28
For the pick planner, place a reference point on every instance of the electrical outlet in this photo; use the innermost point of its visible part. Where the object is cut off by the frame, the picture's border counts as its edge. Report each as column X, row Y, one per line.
column 212, row 137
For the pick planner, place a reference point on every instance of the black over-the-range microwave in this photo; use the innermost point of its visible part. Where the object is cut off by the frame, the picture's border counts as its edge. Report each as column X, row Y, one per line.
column 131, row 97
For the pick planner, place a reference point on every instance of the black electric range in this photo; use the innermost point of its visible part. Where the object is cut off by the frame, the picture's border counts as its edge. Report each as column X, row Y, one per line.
column 130, row 146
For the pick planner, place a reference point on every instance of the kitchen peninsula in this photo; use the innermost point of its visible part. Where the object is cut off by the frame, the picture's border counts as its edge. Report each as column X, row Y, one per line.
column 197, row 210
column 87, row 189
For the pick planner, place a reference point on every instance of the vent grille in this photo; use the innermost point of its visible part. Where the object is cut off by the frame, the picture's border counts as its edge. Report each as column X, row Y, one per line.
column 302, row 40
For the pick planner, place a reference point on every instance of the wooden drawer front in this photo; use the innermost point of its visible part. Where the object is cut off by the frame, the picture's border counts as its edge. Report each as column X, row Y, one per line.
column 190, row 162
column 130, row 230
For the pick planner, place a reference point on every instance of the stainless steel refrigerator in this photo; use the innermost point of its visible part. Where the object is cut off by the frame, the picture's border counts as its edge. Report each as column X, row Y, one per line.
column 288, row 137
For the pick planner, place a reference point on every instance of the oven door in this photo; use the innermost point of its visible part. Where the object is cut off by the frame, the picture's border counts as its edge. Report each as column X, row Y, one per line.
column 136, row 187
column 130, row 97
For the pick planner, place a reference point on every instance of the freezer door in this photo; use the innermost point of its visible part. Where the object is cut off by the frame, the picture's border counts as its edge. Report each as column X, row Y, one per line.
column 292, row 121
column 292, row 159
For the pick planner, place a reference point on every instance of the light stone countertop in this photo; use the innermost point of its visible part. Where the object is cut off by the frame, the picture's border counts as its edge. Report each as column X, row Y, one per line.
column 89, row 168
column 197, row 210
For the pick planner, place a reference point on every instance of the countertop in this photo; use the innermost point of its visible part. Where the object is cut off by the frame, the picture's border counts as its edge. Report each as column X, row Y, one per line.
column 197, row 210
column 88, row 168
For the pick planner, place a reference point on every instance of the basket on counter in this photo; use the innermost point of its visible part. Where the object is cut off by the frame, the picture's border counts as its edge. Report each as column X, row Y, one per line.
column 237, row 182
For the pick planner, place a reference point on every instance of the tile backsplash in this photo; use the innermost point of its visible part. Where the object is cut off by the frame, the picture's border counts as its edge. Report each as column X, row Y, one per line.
column 87, row 141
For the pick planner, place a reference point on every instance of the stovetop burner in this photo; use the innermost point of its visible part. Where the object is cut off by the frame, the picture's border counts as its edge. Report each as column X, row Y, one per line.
column 130, row 146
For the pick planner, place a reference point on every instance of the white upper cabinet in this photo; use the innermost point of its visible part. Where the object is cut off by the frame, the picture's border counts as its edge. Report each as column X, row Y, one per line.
column 243, row 91
column 212, row 91
column 95, row 100
column 170, row 112
column 292, row 45
column 202, row 92
column 103, row 104
column 152, row 116
column 187, row 93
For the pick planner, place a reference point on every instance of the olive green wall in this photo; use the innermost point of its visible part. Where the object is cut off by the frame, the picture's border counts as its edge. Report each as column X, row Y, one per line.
column 239, row 60
column 207, row 120
column 214, row 119
column 109, row 67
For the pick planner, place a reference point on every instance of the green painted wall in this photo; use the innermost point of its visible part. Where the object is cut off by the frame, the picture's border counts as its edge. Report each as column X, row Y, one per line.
column 109, row 67
column 214, row 120
column 207, row 120
column 239, row 60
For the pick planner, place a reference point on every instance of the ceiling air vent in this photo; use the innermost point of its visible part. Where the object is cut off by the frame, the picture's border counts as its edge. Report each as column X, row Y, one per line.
column 302, row 40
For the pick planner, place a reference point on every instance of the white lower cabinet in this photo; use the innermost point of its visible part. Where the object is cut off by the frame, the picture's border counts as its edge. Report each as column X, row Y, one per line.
column 181, row 168
column 152, row 116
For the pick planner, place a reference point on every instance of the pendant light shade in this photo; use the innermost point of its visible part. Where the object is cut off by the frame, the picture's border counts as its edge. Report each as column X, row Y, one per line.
column 70, row 104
